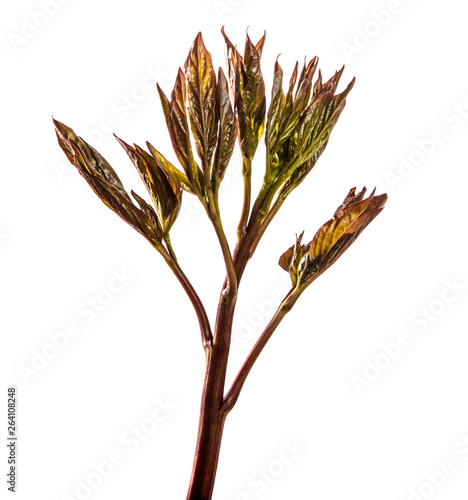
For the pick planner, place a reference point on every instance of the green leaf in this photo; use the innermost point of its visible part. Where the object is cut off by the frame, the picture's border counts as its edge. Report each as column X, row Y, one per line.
column 300, row 173
column 326, row 109
column 201, row 96
column 287, row 121
column 295, row 106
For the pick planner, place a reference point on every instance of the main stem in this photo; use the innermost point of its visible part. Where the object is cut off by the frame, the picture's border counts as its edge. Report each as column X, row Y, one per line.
column 212, row 413
column 214, row 407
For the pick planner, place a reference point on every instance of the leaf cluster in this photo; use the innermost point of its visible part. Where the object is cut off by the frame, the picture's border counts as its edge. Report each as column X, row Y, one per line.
column 207, row 112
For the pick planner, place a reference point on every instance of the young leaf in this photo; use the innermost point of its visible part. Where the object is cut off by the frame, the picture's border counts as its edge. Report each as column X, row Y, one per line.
column 121, row 204
column 227, row 130
column 165, row 104
column 179, row 132
column 201, row 96
column 164, row 192
column 295, row 260
column 249, row 92
column 173, row 173
column 96, row 162
column 277, row 103
column 306, row 262
column 150, row 213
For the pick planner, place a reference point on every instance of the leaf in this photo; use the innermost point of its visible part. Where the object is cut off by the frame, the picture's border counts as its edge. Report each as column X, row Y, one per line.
column 259, row 45
column 170, row 192
column 286, row 121
column 328, row 112
column 179, row 132
column 253, row 88
column 295, row 260
column 337, row 234
column 227, row 130
column 277, row 103
column 150, row 213
column 253, row 101
column 170, row 170
column 300, row 173
column 113, row 198
column 248, row 91
column 166, row 194
column 94, row 161
column 201, row 96
column 295, row 106
column 233, row 58
column 306, row 262
column 165, row 103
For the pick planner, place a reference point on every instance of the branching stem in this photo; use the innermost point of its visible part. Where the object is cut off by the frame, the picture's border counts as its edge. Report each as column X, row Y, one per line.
column 247, row 175
column 230, row 291
column 205, row 328
column 233, row 394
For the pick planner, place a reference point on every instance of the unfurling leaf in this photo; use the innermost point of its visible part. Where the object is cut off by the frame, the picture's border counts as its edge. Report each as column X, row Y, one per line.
column 306, row 262
column 249, row 92
column 178, row 177
column 201, row 97
column 165, row 193
column 277, row 104
column 97, row 163
column 227, row 130
column 295, row 260
column 180, row 135
column 293, row 106
column 165, row 103
column 105, row 183
column 298, row 128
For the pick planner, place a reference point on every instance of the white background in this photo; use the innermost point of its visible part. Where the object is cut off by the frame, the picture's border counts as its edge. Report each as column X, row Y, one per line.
column 93, row 65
